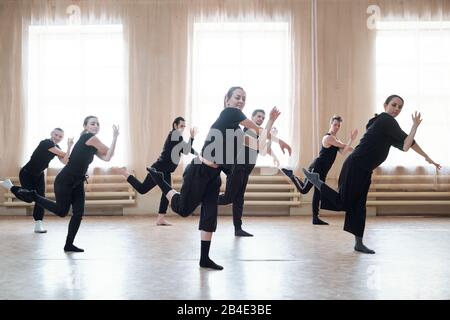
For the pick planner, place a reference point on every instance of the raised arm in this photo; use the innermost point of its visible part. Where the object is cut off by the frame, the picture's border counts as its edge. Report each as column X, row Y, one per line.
column 344, row 148
column 410, row 138
column 274, row 133
column 273, row 116
column 263, row 143
column 263, row 132
column 103, row 152
column 65, row 158
column 253, row 143
column 352, row 139
column 188, row 148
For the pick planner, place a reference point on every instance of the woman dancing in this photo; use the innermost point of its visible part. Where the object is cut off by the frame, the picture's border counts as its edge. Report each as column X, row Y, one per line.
column 383, row 131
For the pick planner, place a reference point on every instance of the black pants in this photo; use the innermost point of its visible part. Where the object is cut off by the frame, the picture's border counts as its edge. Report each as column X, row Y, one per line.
column 354, row 184
column 32, row 182
column 201, row 184
column 316, row 196
column 69, row 190
column 237, row 179
column 148, row 185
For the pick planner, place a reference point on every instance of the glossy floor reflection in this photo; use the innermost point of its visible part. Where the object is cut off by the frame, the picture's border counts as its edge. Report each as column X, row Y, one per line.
column 130, row 258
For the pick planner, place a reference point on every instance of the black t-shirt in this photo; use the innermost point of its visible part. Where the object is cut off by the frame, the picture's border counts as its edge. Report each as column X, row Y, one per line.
column 41, row 157
column 81, row 156
column 165, row 161
column 383, row 131
column 227, row 126
column 325, row 160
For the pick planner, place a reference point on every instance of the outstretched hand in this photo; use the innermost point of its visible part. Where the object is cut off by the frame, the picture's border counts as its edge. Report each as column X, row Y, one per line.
column 69, row 142
column 274, row 114
column 437, row 165
column 115, row 131
column 193, row 132
column 416, row 118
column 283, row 146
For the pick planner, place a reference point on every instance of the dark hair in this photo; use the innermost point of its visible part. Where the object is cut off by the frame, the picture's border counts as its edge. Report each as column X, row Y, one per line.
column 229, row 94
column 177, row 122
column 336, row 117
column 258, row 110
column 392, row 97
column 58, row 129
column 86, row 120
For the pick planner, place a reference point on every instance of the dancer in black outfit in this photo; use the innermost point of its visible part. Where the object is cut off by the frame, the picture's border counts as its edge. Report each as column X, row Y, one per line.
column 69, row 183
column 32, row 173
column 166, row 164
column 323, row 163
column 382, row 132
column 238, row 174
column 201, row 178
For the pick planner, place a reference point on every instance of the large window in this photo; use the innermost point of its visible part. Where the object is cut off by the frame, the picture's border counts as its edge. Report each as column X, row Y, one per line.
column 413, row 60
column 255, row 56
column 76, row 71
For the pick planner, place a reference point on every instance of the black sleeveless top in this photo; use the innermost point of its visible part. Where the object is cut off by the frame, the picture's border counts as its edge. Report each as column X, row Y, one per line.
column 41, row 157
column 81, row 156
column 325, row 159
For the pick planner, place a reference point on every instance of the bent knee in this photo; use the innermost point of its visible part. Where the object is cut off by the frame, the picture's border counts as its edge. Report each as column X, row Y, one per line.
column 184, row 213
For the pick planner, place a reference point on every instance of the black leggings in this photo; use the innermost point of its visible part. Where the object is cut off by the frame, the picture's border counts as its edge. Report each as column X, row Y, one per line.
column 149, row 184
column 32, row 182
column 69, row 190
column 305, row 187
column 237, row 179
column 354, row 184
column 201, row 184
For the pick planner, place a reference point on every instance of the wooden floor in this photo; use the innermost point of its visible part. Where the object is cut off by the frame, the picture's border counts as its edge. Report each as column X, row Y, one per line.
column 130, row 258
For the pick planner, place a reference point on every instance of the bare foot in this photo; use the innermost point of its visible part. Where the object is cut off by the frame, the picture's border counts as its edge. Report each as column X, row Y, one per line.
column 161, row 221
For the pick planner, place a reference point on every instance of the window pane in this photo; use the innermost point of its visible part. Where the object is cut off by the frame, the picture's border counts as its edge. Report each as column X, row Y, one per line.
column 75, row 71
column 255, row 56
column 413, row 60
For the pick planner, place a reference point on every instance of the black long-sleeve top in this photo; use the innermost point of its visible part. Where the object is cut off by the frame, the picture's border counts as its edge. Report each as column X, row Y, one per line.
column 383, row 131
column 174, row 144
